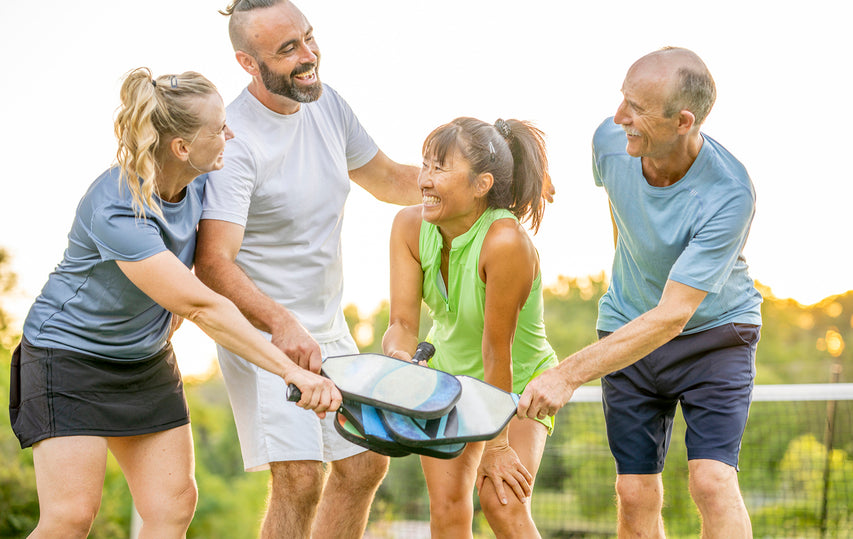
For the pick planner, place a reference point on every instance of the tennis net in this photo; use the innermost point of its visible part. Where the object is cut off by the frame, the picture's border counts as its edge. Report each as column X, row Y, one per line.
column 796, row 473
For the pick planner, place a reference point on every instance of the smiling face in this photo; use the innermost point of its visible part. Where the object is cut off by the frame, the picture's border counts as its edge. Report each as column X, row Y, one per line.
column 286, row 53
column 207, row 148
column 641, row 114
column 452, row 199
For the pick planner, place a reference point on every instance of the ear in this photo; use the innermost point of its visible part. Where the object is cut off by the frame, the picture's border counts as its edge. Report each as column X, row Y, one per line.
column 686, row 121
column 483, row 184
column 179, row 148
column 247, row 62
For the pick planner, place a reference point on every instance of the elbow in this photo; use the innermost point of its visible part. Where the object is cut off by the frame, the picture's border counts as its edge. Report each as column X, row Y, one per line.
column 205, row 314
column 675, row 322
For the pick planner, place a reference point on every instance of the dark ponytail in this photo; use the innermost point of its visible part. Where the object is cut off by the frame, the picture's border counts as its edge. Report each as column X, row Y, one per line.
column 512, row 151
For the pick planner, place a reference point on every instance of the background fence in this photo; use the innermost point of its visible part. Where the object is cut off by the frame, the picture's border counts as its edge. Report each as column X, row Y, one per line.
column 796, row 473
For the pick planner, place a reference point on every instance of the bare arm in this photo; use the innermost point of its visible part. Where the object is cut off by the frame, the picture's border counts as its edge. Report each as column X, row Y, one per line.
column 633, row 341
column 401, row 337
column 508, row 265
column 388, row 180
column 216, row 251
column 167, row 281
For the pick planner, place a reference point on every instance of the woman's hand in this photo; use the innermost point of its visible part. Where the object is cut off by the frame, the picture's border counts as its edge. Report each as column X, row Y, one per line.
column 319, row 394
column 501, row 465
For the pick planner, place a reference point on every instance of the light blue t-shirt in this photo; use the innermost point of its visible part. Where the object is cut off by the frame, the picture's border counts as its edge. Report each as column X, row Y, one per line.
column 691, row 232
column 88, row 305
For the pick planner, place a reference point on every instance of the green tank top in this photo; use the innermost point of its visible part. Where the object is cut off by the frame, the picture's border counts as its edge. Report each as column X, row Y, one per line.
column 458, row 311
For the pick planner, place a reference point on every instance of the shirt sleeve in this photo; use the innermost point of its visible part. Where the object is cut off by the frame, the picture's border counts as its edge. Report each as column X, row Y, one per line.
column 120, row 235
column 360, row 147
column 708, row 260
column 228, row 192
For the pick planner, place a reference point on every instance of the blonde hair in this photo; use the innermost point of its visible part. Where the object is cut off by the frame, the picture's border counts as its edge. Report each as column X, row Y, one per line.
column 153, row 111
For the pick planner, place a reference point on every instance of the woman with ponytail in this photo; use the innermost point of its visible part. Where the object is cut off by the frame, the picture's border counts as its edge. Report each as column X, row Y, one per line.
column 95, row 371
column 464, row 253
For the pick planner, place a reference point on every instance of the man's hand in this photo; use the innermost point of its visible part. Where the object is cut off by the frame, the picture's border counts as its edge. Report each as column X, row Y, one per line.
column 295, row 341
column 545, row 395
column 319, row 394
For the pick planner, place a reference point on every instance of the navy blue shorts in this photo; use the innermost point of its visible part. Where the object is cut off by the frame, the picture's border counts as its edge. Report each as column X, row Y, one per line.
column 710, row 373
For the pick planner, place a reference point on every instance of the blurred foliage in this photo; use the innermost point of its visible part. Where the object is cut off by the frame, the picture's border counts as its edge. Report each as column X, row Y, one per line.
column 800, row 344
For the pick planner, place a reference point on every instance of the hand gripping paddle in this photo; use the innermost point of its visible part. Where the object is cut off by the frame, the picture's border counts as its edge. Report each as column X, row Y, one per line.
column 391, row 384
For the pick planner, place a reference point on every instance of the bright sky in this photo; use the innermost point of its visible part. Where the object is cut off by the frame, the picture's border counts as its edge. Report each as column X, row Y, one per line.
column 783, row 109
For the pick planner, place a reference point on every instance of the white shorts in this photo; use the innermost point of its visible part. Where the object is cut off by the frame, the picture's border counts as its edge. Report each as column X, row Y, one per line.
column 270, row 428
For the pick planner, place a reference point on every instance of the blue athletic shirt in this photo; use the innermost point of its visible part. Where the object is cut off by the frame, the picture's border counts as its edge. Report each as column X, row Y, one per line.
column 692, row 232
column 88, row 305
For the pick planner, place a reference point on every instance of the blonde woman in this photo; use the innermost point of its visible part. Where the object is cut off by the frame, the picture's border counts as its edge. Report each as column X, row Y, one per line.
column 95, row 371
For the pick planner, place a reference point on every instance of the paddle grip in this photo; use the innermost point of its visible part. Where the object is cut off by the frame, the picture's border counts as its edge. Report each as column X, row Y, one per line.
column 424, row 351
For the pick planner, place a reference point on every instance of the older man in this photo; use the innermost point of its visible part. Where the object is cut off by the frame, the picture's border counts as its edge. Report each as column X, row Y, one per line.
column 270, row 241
column 680, row 321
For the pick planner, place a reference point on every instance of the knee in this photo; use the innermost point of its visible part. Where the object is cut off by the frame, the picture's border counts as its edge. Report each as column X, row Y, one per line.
column 297, row 482
column 73, row 519
column 500, row 516
column 639, row 493
column 712, row 483
column 362, row 472
column 175, row 508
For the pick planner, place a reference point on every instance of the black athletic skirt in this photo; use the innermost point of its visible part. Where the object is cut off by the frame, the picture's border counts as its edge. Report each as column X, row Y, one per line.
column 56, row 392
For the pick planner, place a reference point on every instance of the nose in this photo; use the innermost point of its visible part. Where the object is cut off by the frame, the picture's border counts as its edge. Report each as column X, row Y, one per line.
column 228, row 133
column 621, row 116
column 309, row 54
column 424, row 178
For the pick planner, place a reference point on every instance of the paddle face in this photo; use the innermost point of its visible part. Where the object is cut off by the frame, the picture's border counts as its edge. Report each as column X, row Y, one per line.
column 366, row 420
column 480, row 414
column 349, row 432
column 393, row 384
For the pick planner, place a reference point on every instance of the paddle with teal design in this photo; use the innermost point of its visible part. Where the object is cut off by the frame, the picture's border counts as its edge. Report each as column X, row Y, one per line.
column 481, row 413
column 391, row 384
column 367, row 422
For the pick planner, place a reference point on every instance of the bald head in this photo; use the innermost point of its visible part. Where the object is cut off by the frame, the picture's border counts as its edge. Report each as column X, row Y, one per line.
column 242, row 12
column 687, row 79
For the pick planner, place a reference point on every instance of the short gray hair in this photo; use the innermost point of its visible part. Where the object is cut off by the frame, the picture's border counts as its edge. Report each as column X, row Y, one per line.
column 694, row 88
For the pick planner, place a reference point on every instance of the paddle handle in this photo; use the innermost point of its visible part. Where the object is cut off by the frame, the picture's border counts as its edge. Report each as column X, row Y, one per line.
column 423, row 352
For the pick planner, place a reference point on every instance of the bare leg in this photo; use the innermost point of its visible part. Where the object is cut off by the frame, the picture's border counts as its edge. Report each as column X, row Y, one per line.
column 639, row 503
column 69, row 479
column 451, row 487
column 714, row 487
column 527, row 438
column 295, row 488
column 160, row 471
column 345, row 504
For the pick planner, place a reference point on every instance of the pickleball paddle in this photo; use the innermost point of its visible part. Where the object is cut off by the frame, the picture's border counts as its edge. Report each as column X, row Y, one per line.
column 391, row 384
column 481, row 413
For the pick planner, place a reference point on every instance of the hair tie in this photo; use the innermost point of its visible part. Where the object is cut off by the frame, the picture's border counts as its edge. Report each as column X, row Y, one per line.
column 173, row 81
column 153, row 83
column 503, row 128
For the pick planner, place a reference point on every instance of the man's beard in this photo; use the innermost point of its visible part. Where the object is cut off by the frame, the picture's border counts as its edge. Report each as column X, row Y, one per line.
column 283, row 85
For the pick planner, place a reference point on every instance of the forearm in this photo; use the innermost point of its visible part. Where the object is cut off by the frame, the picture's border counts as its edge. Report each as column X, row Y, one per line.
column 222, row 321
column 227, row 278
column 626, row 345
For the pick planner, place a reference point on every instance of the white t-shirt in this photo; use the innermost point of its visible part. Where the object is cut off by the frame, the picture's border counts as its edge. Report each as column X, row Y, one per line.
column 286, row 181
